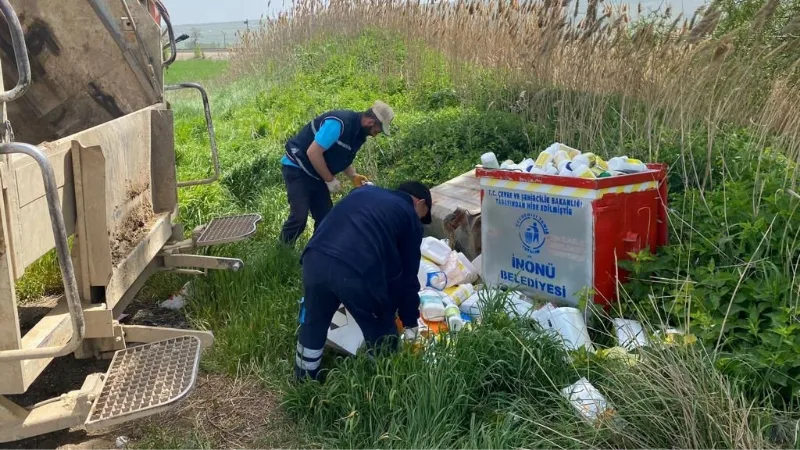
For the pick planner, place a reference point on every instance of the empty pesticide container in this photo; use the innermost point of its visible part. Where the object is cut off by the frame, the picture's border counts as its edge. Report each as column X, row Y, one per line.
column 559, row 238
column 435, row 250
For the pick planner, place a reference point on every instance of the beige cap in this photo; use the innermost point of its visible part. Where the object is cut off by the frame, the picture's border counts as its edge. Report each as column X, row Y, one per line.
column 384, row 113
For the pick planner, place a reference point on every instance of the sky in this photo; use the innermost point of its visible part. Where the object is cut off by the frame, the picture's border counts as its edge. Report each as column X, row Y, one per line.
column 186, row 12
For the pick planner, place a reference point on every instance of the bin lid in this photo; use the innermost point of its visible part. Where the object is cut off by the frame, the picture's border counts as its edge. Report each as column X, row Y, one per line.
column 656, row 172
column 463, row 191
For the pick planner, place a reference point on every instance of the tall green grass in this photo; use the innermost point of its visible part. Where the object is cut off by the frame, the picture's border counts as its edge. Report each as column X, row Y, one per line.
column 495, row 387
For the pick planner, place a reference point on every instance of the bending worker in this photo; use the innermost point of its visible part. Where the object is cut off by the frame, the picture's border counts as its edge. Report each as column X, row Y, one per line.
column 365, row 255
column 325, row 147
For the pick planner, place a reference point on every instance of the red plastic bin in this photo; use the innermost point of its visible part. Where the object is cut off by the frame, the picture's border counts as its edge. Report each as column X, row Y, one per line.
column 552, row 237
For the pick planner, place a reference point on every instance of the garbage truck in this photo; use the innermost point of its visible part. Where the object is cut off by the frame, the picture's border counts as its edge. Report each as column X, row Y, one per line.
column 88, row 171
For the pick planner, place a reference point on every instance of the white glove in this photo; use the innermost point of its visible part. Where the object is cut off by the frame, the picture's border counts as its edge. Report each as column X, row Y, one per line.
column 334, row 186
column 411, row 333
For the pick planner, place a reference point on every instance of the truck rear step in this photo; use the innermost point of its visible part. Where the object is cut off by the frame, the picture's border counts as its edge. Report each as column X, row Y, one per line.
column 224, row 230
column 146, row 380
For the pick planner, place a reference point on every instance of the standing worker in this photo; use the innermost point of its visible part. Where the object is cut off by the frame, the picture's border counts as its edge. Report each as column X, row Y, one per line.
column 325, row 147
column 365, row 255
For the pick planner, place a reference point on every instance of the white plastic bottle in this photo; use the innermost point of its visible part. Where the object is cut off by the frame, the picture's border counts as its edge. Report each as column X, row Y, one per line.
column 583, row 171
column 587, row 159
column 472, row 306
column 561, row 156
column 435, row 250
column 544, row 159
column 626, row 165
column 571, row 152
column 527, row 164
column 430, row 275
column 489, row 161
column 460, row 293
column 452, row 315
column 508, row 165
column 565, row 169
column 431, row 305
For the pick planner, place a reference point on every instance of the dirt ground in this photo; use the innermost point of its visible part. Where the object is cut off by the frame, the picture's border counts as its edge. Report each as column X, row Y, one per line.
column 222, row 411
column 225, row 412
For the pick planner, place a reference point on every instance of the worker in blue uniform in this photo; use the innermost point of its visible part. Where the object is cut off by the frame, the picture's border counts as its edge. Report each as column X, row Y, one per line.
column 365, row 255
column 325, row 147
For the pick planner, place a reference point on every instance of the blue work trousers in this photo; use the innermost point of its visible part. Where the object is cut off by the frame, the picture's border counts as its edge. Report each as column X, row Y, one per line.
column 327, row 283
column 305, row 194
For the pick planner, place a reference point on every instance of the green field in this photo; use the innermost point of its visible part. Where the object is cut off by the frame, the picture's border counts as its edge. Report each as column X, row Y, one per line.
column 196, row 70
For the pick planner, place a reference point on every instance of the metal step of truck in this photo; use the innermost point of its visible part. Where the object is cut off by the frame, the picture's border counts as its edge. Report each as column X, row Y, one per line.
column 146, row 380
column 224, row 230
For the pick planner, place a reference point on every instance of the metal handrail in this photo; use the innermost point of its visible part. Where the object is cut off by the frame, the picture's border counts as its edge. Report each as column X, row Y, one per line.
column 20, row 53
column 212, row 138
column 64, row 261
column 173, row 52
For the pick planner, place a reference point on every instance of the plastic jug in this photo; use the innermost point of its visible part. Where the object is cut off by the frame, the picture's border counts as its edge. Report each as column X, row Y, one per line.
column 583, row 171
column 489, row 161
column 477, row 264
column 561, row 156
column 626, row 165
column 571, row 152
column 435, row 250
column 527, row 164
column 471, row 306
column 431, row 305
column 587, row 400
column 569, row 323
column 566, row 170
column 587, row 159
column 508, row 165
column 460, row 293
column 430, row 275
column 544, row 159
column 630, row 333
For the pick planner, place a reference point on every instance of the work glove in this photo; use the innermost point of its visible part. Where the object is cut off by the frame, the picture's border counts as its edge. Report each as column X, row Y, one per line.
column 360, row 180
column 334, row 186
column 411, row 334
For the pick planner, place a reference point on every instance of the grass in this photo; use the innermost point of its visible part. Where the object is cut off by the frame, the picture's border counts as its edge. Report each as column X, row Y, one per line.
column 467, row 77
column 196, row 70
column 494, row 388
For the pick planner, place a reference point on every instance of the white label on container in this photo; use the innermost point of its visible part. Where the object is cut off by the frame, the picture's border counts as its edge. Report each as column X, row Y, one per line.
column 538, row 243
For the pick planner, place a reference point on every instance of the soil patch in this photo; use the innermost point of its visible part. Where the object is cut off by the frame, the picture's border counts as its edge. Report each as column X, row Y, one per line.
column 135, row 225
column 224, row 412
